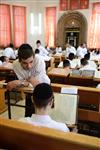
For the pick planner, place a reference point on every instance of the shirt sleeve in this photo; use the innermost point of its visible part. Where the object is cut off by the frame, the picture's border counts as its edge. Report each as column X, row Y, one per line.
column 40, row 70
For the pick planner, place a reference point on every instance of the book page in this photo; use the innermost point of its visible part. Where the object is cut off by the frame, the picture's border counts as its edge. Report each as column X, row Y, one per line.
column 65, row 108
column 88, row 73
column 69, row 90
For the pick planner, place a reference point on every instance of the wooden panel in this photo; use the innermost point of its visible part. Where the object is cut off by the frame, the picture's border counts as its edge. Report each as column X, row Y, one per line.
column 17, row 136
column 3, row 106
column 89, row 115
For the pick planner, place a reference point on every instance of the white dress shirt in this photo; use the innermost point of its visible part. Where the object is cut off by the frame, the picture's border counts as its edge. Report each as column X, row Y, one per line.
column 45, row 121
column 43, row 51
column 70, row 50
column 87, row 67
column 38, row 70
column 0, row 63
column 9, row 52
column 81, row 52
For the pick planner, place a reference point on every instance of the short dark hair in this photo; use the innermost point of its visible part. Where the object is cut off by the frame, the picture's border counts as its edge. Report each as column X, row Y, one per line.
column 42, row 95
column 66, row 63
column 37, row 51
column 71, row 56
column 11, row 45
column 84, row 61
column 25, row 51
column 38, row 42
column 87, row 56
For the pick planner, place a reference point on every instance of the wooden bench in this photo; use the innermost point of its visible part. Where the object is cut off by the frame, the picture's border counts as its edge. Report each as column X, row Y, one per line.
column 87, row 96
column 15, row 135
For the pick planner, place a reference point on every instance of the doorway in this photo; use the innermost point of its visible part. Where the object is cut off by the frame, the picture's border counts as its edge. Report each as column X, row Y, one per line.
column 72, row 36
column 72, row 27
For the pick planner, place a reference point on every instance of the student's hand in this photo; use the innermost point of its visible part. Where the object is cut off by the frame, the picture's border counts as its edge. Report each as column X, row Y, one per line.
column 13, row 85
column 33, row 81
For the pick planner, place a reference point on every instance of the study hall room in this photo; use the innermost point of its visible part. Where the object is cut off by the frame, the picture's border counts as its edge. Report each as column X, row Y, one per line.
column 50, row 74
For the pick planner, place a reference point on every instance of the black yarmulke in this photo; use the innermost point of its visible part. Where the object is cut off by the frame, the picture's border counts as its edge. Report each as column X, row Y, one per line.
column 42, row 91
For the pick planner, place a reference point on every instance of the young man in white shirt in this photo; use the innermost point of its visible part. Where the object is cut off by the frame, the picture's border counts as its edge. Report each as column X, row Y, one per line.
column 70, row 49
column 43, row 51
column 10, row 52
column 43, row 101
column 30, row 70
column 81, row 51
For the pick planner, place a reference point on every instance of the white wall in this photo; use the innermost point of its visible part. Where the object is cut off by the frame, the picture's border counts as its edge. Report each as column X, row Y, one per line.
column 38, row 6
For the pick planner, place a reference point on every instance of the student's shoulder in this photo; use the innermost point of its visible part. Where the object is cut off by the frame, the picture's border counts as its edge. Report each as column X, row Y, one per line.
column 16, row 63
column 60, row 126
column 39, row 58
column 25, row 119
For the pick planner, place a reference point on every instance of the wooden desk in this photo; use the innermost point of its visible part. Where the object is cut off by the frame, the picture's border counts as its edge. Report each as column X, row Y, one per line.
column 87, row 95
column 6, row 74
column 60, row 72
column 58, row 75
column 16, row 135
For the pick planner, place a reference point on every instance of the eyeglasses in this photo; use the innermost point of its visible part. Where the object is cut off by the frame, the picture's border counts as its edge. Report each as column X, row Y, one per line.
column 53, row 104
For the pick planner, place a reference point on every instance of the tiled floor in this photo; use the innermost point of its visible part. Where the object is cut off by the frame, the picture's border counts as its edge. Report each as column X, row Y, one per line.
column 16, row 112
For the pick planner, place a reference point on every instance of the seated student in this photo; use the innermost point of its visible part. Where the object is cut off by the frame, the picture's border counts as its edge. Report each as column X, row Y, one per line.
column 6, row 63
column 44, row 100
column 10, row 52
column 85, row 65
column 58, row 49
column 91, row 63
column 73, row 61
column 64, row 63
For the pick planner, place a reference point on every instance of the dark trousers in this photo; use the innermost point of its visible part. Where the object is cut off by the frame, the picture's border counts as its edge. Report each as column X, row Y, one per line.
column 29, row 109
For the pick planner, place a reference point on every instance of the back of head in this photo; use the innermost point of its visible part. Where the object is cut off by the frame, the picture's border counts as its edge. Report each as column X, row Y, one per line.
column 11, row 45
column 66, row 63
column 87, row 56
column 25, row 51
column 2, row 58
column 37, row 51
column 71, row 56
column 42, row 95
column 84, row 62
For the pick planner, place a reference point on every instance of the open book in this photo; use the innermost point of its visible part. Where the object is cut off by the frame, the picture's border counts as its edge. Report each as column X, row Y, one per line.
column 65, row 108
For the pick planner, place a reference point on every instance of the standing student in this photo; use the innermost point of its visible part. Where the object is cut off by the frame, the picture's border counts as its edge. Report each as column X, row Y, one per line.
column 43, row 51
column 70, row 49
column 30, row 70
column 43, row 101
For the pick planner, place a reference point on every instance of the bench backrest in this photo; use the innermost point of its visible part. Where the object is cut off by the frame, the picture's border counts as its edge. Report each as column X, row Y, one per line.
column 17, row 135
